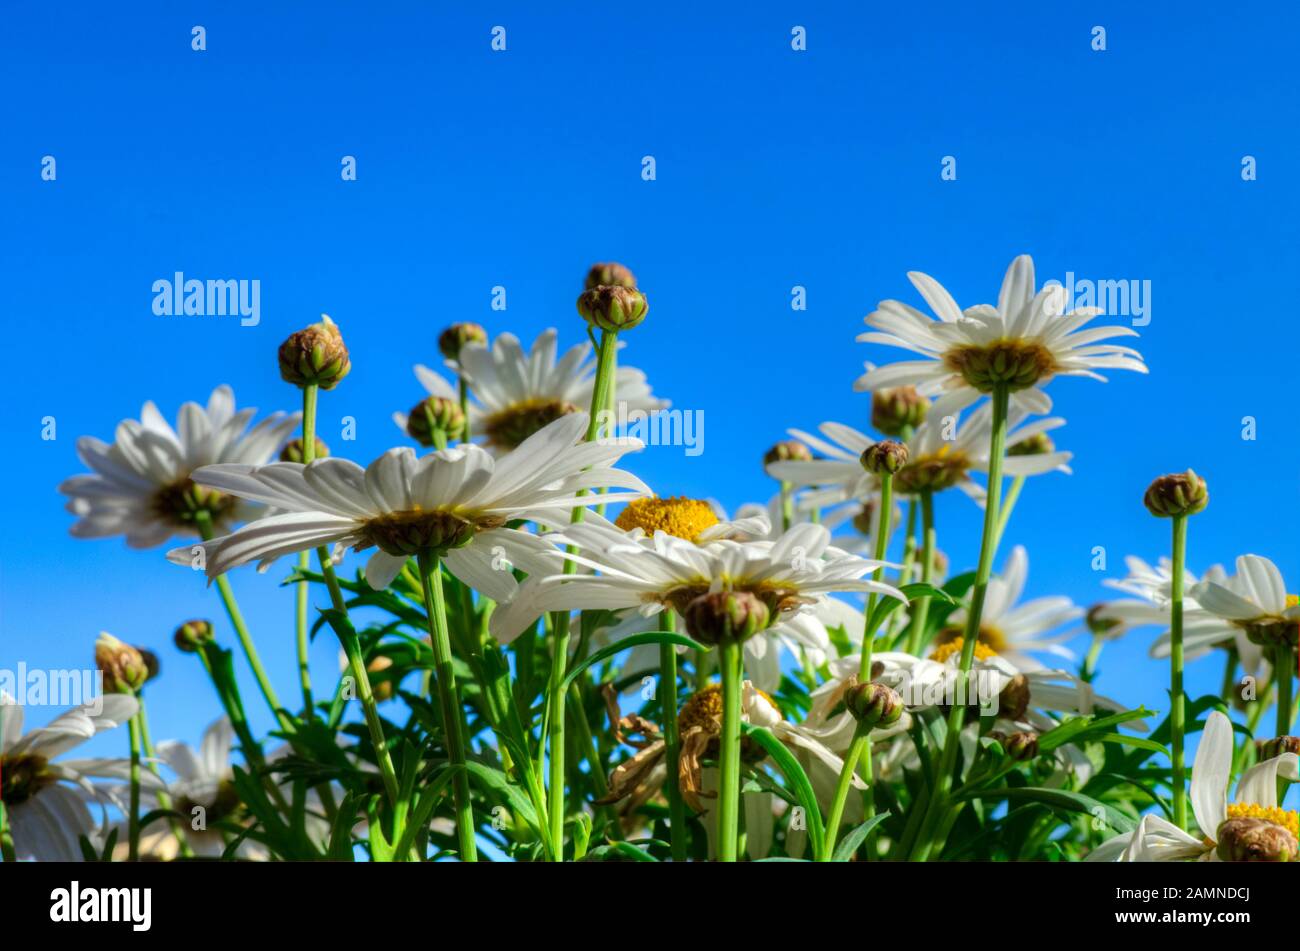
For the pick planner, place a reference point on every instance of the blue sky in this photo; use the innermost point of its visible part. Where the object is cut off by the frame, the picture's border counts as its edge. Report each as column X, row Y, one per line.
column 519, row 168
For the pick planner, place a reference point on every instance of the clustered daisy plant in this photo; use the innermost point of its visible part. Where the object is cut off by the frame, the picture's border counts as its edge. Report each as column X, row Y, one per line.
column 544, row 659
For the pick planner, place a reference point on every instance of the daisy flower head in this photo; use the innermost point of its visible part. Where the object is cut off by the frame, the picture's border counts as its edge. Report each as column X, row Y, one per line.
column 1020, row 345
column 1009, row 629
column 1151, row 590
column 1254, row 601
column 47, row 802
column 453, row 503
column 652, row 573
column 516, row 393
column 1253, row 828
column 941, row 454
column 141, row 486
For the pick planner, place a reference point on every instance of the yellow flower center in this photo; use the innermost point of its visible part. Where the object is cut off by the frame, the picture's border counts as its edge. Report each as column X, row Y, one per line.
column 508, row 428
column 938, row 471
column 21, row 777
column 416, row 530
column 182, row 502
column 1013, row 363
column 1286, row 818
column 950, row 641
column 683, row 517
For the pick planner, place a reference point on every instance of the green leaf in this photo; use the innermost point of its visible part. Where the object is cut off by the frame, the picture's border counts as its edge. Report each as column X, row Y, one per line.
column 494, row 780
column 1059, row 799
column 796, row 778
column 918, row 589
column 1141, row 742
column 635, row 640
column 1077, row 728
column 844, row 851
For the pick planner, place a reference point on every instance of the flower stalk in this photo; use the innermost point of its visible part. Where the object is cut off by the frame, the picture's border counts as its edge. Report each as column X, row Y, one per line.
column 984, row 570
column 731, row 668
column 204, row 522
column 1176, row 713
column 606, row 350
column 453, row 713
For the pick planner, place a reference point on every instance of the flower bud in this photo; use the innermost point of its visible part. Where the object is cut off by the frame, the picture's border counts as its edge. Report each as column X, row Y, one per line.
column 726, row 615
column 293, row 450
column 865, row 519
column 895, row 411
column 613, row 308
column 1255, row 840
column 383, row 689
column 432, row 416
column 1269, row 749
column 1021, row 746
column 1176, row 495
column 152, row 665
column 1038, row 444
column 609, row 274
column 873, row 704
column 790, row 450
column 315, row 356
column 1013, row 701
column 884, row 458
column 1098, row 625
column 191, row 636
column 123, row 666
column 452, row 340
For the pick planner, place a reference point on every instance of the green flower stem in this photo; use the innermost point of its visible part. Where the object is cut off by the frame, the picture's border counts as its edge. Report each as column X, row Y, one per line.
column 1258, row 706
column 164, row 800
column 449, row 699
column 1009, row 503
column 1089, row 669
column 1228, row 689
column 861, row 744
column 787, row 506
column 975, row 614
column 7, row 851
column 304, row 559
column 555, row 693
column 730, row 663
column 1284, row 667
column 133, row 813
column 204, row 521
column 672, row 740
column 1176, row 713
column 882, row 543
column 898, row 618
column 921, row 608
column 303, row 637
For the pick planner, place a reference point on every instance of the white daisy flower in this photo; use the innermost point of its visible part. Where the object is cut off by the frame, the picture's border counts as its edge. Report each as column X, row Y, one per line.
column 1152, row 590
column 141, row 485
column 667, row 571
column 1008, row 629
column 1022, row 343
column 516, row 394
column 1253, row 601
column 47, row 802
column 934, row 462
column 455, row 501
column 1158, row 840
